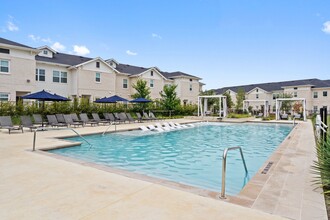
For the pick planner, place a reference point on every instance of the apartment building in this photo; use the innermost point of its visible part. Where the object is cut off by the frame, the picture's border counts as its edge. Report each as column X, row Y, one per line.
column 315, row 91
column 25, row 70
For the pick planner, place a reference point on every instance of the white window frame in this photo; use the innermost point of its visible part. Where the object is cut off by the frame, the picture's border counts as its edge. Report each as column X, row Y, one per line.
column 257, row 96
column 61, row 77
column 125, row 83
column 98, row 77
column 315, row 109
column 295, row 94
column 45, row 52
column 317, row 95
column 190, row 87
column 38, row 75
column 325, row 92
column 6, row 94
column 151, row 83
column 151, row 73
column 8, row 61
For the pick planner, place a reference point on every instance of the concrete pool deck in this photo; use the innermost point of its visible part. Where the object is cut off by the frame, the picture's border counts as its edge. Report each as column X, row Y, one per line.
column 37, row 186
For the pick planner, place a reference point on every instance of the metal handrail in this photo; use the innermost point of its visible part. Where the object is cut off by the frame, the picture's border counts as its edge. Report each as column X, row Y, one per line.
column 40, row 129
column 224, row 162
column 112, row 123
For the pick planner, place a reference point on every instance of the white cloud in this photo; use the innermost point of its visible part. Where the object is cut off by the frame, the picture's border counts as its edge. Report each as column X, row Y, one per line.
column 326, row 27
column 128, row 52
column 58, row 47
column 46, row 40
column 156, row 36
column 33, row 37
column 80, row 50
column 11, row 26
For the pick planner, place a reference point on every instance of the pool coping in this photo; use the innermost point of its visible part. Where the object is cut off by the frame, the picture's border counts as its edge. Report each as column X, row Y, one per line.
column 246, row 197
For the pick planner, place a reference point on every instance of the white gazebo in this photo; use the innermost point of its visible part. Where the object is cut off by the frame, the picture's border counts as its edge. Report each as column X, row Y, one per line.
column 265, row 102
column 279, row 101
column 202, row 108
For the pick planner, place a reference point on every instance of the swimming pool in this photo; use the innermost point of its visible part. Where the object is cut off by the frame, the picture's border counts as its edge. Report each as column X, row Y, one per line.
column 189, row 156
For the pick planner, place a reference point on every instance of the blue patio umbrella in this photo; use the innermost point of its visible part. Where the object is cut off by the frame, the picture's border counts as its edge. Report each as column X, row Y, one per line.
column 140, row 100
column 104, row 100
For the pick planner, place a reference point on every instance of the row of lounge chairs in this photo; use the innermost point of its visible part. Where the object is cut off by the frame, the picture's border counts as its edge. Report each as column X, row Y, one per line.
column 166, row 126
column 68, row 120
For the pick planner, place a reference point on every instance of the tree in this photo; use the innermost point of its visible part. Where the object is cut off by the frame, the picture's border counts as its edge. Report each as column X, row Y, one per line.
column 240, row 97
column 142, row 90
column 228, row 100
column 286, row 105
column 169, row 99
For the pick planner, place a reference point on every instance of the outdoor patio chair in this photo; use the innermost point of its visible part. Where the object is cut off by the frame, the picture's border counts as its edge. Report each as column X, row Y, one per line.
column 52, row 120
column 116, row 115
column 112, row 117
column 86, row 120
column 180, row 125
column 166, row 125
column 153, row 117
column 284, row 116
column 158, row 125
column 129, row 117
column 297, row 116
column 68, row 120
column 37, row 118
column 139, row 117
column 122, row 117
column 26, row 122
column 260, row 115
column 6, row 123
column 75, row 118
column 97, row 118
column 60, row 118
column 146, row 117
column 144, row 128
column 174, row 126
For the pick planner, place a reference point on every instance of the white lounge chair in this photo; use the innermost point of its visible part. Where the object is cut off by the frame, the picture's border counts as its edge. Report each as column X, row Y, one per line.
column 153, row 128
column 144, row 128
column 166, row 125
column 173, row 125
column 180, row 125
column 158, row 125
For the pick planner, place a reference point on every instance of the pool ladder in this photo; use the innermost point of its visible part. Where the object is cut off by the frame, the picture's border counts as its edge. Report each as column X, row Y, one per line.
column 224, row 162
column 41, row 129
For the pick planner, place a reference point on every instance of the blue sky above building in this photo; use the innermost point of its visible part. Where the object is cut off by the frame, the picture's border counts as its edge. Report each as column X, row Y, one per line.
column 226, row 43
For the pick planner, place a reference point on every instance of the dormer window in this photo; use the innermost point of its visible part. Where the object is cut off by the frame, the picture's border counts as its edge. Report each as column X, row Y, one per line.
column 97, row 64
column 45, row 52
column 152, row 73
column 257, row 90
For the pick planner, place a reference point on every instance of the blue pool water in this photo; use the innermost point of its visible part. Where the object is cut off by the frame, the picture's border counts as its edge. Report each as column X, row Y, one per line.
column 189, row 156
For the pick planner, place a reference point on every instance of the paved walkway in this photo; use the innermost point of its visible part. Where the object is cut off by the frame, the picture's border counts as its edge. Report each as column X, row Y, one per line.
column 37, row 186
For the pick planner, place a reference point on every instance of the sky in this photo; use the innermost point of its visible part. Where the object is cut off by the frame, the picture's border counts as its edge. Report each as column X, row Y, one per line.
column 224, row 42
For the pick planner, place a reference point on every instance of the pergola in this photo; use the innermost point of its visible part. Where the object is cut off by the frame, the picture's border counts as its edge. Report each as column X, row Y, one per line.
column 279, row 101
column 266, row 104
column 202, row 108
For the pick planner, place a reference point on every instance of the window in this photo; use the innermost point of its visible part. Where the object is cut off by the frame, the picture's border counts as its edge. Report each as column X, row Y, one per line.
column 257, row 96
column 276, row 95
column 295, row 94
column 190, row 87
column 2, row 50
column 125, row 84
column 151, row 83
column 257, row 90
column 40, row 75
column 295, row 88
column 4, row 97
column 97, row 64
column 60, row 76
column 152, row 73
column 64, row 77
column 325, row 93
column 314, row 109
column 190, row 80
column 4, row 66
column 45, row 52
column 97, row 77
column 315, row 95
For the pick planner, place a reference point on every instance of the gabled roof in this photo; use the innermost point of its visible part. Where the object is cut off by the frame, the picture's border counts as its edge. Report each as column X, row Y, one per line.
column 177, row 74
column 132, row 70
column 94, row 60
column 66, row 59
column 48, row 48
column 274, row 86
column 5, row 41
